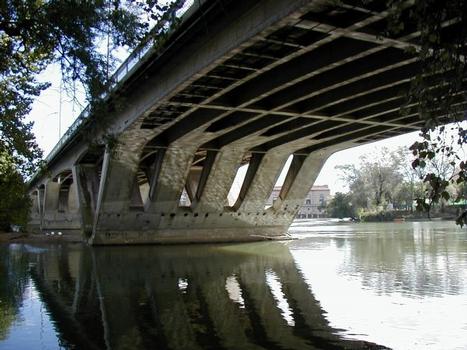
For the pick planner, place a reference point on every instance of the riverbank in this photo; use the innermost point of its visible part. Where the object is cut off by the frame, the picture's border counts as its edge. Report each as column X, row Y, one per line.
column 20, row 237
column 398, row 216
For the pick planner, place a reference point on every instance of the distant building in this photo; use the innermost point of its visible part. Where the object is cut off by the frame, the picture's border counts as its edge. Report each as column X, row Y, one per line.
column 314, row 205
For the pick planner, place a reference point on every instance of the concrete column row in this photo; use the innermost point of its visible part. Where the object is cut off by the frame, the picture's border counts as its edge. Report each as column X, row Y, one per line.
column 103, row 199
column 55, row 207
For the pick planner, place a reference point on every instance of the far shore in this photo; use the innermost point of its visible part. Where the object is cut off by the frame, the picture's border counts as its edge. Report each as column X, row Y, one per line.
column 24, row 237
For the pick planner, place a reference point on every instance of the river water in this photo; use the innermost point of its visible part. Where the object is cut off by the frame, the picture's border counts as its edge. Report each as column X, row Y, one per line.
column 337, row 286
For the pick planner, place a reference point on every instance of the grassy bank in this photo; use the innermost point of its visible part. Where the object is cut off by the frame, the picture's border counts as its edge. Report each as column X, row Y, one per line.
column 386, row 216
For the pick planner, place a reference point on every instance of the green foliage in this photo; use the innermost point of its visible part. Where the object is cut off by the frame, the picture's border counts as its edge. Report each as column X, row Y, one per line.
column 15, row 203
column 438, row 90
column 340, row 206
column 440, row 166
column 14, row 272
column 72, row 34
column 388, row 180
column 377, row 216
column 34, row 34
column 372, row 183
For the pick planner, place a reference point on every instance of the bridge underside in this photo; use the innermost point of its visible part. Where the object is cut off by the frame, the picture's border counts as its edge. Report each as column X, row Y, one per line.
column 267, row 81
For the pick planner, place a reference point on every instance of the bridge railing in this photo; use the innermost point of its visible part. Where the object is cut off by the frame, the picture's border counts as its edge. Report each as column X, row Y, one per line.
column 133, row 61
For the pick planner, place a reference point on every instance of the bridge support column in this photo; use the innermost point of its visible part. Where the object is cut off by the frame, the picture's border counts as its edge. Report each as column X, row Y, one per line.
column 60, row 206
column 117, row 181
column 219, row 181
column 87, row 188
column 115, row 191
column 50, row 204
column 35, row 217
column 262, row 184
column 168, row 186
column 302, row 174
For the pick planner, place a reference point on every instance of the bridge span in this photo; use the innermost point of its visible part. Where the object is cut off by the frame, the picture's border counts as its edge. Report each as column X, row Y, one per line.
column 248, row 82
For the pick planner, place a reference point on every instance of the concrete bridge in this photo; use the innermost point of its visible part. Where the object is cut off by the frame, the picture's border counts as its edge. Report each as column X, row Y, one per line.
column 236, row 83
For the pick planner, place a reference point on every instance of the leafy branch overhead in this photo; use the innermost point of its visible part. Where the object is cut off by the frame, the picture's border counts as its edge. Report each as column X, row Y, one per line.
column 439, row 88
column 81, row 36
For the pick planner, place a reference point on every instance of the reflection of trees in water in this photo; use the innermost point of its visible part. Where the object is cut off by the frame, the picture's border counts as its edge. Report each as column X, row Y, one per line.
column 186, row 297
column 419, row 260
column 13, row 283
column 63, row 279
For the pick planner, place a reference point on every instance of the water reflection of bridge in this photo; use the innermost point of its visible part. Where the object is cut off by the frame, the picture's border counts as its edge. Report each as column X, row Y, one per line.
column 197, row 297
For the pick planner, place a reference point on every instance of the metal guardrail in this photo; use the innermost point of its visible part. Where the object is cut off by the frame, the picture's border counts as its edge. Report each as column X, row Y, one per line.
column 139, row 55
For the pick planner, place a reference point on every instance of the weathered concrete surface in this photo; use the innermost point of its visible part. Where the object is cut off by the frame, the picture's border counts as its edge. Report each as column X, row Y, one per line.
column 250, row 82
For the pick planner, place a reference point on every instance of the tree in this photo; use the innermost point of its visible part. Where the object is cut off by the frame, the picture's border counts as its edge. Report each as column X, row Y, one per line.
column 14, row 269
column 80, row 36
column 438, row 171
column 389, row 178
column 15, row 203
column 438, row 89
column 375, row 181
column 340, row 206
column 411, row 187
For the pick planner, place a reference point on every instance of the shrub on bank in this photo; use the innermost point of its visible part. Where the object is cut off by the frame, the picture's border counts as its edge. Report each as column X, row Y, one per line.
column 379, row 216
column 14, row 202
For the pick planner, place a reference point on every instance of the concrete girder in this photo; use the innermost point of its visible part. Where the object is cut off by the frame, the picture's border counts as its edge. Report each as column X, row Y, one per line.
column 281, row 75
column 221, row 46
column 350, row 72
column 330, row 35
column 358, row 88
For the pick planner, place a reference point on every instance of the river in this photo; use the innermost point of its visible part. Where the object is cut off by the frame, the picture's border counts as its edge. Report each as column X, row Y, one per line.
column 336, row 286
